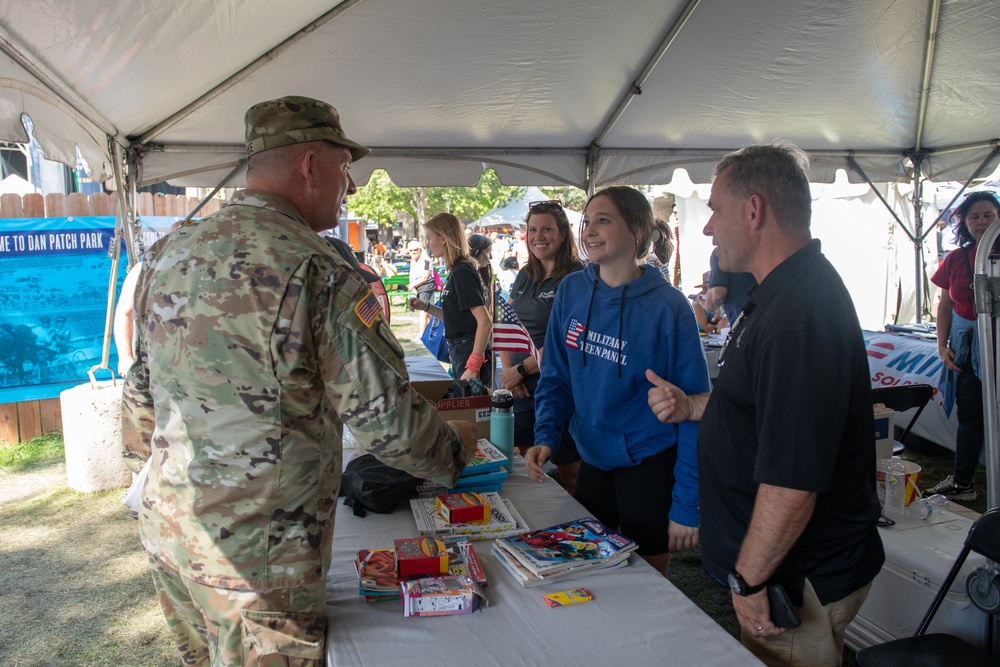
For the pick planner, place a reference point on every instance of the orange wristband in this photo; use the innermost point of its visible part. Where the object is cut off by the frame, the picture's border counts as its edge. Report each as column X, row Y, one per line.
column 475, row 362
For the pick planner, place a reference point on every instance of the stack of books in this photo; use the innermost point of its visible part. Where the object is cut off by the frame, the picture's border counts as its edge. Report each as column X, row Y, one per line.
column 378, row 581
column 483, row 472
column 504, row 520
column 561, row 552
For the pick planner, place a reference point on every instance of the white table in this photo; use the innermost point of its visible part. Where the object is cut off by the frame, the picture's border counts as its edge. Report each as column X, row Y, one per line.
column 425, row 368
column 637, row 617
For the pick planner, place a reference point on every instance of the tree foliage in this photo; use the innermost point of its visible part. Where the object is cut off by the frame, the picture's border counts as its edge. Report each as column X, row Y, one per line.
column 571, row 198
column 384, row 202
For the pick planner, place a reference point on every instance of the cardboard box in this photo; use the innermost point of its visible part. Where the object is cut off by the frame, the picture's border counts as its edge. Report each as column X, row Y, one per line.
column 885, row 431
column 462, row 507
column 440, row 596
column 475, row 409
column 420, row 555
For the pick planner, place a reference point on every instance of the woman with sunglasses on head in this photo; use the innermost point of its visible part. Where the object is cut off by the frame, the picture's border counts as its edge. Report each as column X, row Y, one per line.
column 467, row 323
column 609, row 324
column 958, row 342
column 551, row 257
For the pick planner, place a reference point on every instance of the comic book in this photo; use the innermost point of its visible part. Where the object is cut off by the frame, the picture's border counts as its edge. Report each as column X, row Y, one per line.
column 527, row 578
column 568, row 545
column 504, row 520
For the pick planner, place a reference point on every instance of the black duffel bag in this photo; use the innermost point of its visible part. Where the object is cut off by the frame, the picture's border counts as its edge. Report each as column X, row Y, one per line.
column 368, row 485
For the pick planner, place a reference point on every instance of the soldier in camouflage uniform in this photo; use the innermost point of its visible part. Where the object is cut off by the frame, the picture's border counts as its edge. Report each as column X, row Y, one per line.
column 257, row 343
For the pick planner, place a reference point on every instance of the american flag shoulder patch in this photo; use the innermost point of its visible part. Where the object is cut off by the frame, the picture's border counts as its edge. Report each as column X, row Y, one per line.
column 573, row 333
column 368, row 309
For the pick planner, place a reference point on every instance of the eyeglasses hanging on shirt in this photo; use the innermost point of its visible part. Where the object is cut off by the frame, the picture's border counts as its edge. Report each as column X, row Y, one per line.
column 736, row 330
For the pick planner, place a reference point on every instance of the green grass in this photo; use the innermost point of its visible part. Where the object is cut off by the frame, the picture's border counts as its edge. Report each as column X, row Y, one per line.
column 31, row 454
column 74, row 580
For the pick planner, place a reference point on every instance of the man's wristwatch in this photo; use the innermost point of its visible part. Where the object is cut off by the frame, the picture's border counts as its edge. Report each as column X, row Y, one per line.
column 739, row 586
column 521, row 369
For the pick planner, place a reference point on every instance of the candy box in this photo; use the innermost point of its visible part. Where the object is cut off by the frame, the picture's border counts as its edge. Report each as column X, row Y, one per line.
column 420, row 555
column 440, row 596
column 462, row 507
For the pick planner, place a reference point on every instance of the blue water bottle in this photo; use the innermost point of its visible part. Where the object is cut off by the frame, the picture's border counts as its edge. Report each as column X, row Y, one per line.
column 502, row 425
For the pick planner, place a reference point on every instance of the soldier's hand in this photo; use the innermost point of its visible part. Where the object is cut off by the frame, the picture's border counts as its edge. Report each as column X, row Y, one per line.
column 469, row 436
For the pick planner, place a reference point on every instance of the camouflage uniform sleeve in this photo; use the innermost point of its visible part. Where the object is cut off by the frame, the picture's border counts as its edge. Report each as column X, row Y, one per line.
column 137, row 401
column 364, row 376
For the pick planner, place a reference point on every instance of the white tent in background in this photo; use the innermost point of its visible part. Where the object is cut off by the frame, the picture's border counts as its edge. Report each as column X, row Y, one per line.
column 14, row 184
column 512, row 213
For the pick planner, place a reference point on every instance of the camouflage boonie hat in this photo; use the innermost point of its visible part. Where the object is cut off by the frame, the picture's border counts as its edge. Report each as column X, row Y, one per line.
column 292, row 120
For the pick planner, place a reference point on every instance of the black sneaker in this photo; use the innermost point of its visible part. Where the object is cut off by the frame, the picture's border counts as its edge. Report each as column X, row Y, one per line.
column 952, row 490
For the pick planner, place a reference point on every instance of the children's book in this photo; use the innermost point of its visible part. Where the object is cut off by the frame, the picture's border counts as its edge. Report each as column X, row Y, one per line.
column 490, row 481
column 377, row 579
column 377, row 570
column 486, row 459
column 484, row 478
column 504, row 520
column 568, row 545
column 527, row 578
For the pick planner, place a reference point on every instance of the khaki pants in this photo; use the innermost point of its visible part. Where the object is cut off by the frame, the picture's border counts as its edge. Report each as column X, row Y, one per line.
column 219, row 627
column 819, row 641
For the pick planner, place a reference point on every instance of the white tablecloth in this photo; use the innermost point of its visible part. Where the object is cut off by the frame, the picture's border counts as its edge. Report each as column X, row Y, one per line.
column 637, row 617
column 425, row 368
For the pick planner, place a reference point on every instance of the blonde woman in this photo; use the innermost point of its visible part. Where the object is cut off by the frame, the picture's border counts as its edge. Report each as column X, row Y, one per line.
column 467, row 323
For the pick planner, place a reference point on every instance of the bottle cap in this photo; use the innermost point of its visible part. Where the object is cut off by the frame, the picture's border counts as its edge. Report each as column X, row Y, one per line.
column 503, row 400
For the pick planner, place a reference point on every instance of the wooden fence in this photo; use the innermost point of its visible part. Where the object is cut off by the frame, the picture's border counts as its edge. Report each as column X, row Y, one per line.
column 23, row 421
column 77, row 203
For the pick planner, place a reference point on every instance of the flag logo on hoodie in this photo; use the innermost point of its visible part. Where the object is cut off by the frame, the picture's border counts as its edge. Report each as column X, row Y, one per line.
column 573, row 333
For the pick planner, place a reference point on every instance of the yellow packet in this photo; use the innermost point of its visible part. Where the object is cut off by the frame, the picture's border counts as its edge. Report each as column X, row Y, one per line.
column 564, row 598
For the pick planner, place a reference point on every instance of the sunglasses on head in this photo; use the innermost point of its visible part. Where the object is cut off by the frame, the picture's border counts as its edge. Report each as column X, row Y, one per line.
column 547, row 202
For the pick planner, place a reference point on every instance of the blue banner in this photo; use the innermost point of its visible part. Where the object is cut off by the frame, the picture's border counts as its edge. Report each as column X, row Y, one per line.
column 54, row 275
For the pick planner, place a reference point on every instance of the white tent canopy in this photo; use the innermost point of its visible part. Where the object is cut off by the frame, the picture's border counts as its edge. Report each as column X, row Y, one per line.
column 513, row 213
column 546, row 92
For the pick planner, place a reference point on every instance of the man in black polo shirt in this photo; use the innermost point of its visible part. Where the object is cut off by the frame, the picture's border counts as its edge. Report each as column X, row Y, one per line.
column 786, row 446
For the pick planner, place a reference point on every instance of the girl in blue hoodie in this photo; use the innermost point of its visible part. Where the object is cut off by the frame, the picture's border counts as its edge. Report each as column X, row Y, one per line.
column 610, row 323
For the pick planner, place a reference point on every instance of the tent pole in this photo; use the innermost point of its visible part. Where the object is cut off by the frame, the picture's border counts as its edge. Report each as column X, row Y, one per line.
column 243, row 73
column 647, row 69
column 214, row 191
column 123, row 234
column 982, row 166
column 76, row 105
column 913, row 236
column 918, row 219
column 856, row 167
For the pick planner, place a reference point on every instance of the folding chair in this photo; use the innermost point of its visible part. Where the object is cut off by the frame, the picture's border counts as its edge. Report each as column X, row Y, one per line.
column 937, row 649
column 902, row 398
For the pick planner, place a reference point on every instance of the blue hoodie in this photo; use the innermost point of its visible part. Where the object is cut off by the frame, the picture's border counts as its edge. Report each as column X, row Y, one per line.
column 598, row 345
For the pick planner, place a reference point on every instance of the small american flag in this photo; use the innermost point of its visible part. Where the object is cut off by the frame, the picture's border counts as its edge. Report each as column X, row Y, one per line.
column 573, row 333
column 509, row 335
column 368, row 309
